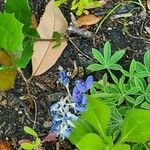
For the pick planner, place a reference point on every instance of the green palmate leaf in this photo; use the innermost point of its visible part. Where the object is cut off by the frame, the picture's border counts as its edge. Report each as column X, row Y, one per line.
column 98, row 56
column 82, row 127
column 115, row 67
column 145, row 105
column 11, row 36
column 132, row 67
column 98, row 115
column 116, row 56
column 136, row 126
column 121, row 147
column 95, row 67
column 139, row 100
column 147, row 60
column 7, row 79
column 90, row 141
column 21, row 10
column 30, row 131
column 107, row 51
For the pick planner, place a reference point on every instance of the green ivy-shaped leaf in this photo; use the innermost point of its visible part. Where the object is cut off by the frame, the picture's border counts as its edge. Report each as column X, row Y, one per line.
column 21, row 10
column 11, row 36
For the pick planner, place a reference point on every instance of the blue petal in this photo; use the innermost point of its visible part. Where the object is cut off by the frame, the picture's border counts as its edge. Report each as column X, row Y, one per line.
column 63, row 78
column 80, row 85
column 89, row 82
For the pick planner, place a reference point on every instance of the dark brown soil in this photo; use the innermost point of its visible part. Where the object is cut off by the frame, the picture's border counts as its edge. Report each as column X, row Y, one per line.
column 14, row 108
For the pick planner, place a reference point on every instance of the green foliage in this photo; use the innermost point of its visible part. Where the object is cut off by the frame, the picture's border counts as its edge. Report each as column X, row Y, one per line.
column 106, row 61
column 81, row 5
column 11, row 33
column 132, row 87
column 17, row 38
column 57, row 38
column 135, row 128
column 34, row 144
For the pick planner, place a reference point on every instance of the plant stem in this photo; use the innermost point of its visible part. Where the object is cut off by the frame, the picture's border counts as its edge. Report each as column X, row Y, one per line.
column 110, row 12
column 31, row 99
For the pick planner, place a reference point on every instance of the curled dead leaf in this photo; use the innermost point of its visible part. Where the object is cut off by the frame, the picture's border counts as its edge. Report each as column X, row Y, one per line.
column 45, row 56
column 88, row 20
column 4, row 145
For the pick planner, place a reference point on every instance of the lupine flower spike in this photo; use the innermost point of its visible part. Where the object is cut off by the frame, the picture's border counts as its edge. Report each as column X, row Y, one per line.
column 66, row 111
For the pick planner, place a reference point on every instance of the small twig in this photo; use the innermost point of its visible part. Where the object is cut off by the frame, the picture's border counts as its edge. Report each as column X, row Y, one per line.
column 57, row 145
column 79, row 49
column 31, row 99
column 82, row 32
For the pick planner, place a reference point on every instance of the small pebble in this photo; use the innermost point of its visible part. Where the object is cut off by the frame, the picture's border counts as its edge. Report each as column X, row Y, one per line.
column 20, row 112
column 109, row 28
column 46, row 124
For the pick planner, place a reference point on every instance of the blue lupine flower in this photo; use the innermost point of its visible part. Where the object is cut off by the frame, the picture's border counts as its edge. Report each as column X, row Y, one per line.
column 66, row 111
column 63, row 78
column 84, row 86
column 78, row 94
column 63, row 117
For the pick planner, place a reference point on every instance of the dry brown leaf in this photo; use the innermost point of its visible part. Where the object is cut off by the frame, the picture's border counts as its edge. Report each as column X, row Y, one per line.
column 52, row 20
column 4, row 145
column 44, row 56
column 148, row 4
column 87, row 20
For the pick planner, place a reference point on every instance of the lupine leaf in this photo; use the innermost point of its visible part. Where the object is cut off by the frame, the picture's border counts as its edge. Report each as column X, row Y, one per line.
column 98, row 56
column 107, row 51
column 116, row 56
column 147, row 60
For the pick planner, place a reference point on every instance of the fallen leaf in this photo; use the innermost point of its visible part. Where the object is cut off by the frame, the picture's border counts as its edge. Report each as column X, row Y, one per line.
column 7, row 79
column 147, row 29
column 148, row 4
column 44, row 56
column 52, row 20
column 87, row 20
column 4, row 145
column 5, row 59
column 50, row 137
